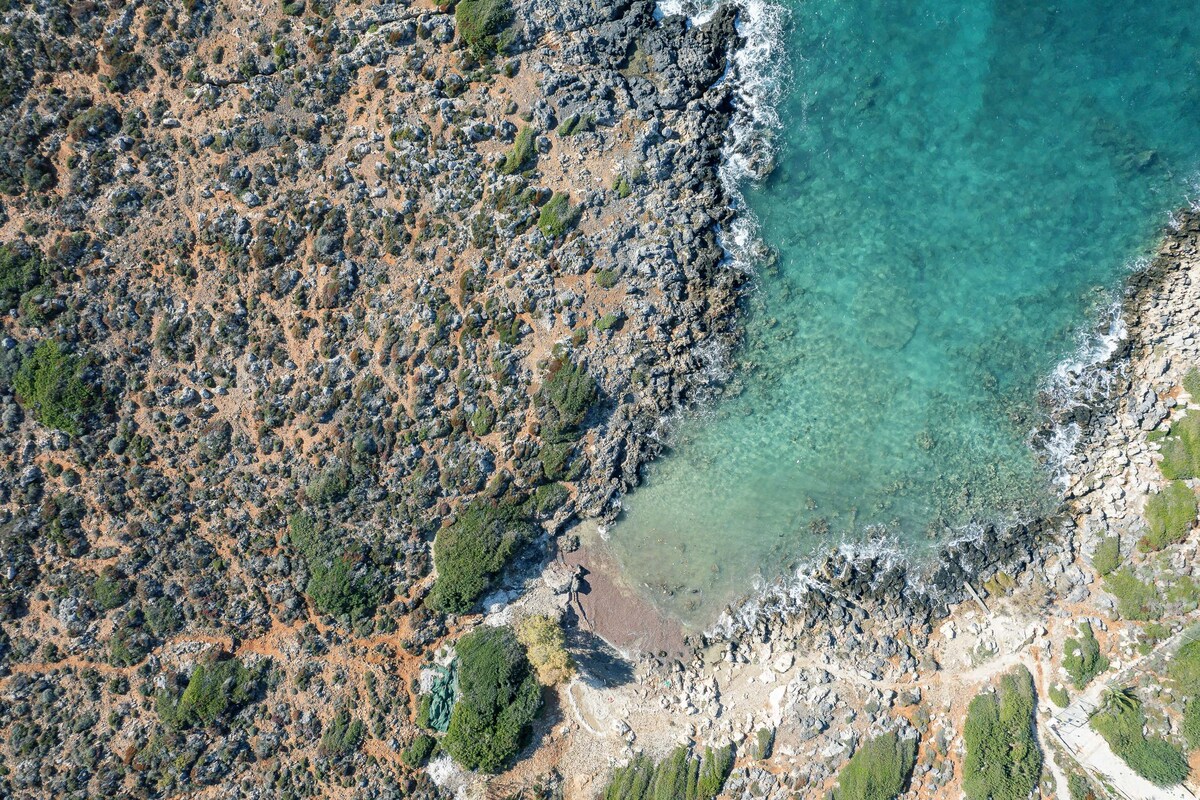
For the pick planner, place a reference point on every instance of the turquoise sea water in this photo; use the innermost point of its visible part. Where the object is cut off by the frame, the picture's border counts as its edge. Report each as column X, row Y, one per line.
column 961, row 187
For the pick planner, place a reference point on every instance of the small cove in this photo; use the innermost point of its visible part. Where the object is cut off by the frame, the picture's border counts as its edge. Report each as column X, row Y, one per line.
column 960, row 190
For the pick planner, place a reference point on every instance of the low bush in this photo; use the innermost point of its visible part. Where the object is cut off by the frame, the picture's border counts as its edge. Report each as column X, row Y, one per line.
column 1191, row 384
column 1135, row 600
column 1121, row 722
column 557, row 217
column 878, row 770
column 1184, row 669
column 468, row 553
column 1170, row 515
column 480, row 22
column 1081, row 657
column 341, row 583
column 417, row 754
column 567, row 394
column 51, row 384
column 1181, row 449
column 546, row 648
column 522, row 153
column 343, row 735
column 499, row 697
column 1003, row 761
column 679, row 776
column 21, row 269
column 213, row 692
column 1108, row 555
column 1059, row 696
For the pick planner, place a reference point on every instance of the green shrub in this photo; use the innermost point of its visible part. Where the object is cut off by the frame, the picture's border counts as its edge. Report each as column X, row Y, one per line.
column 764, row 744
column 557, row 216
column 468, row 553
column 50, row 383
column 609, row 321
column 111, row 589
column 1135, row 600
column 343, row 735
column 483, row 418
column 213, row 692
column 1003, row 761
column 878, row 770
column 679, row 776
column 1079, row 788
column 1184, row 669
column 1081, row 657
column 21, row 269
column 1181, row 449
column 330, row 486
column 1059, row 696
column 548, row 498
column 622, row 186
column 1108, row 555
column 499, row 696
column 338, row 585
column 606, row 278
column 522, row 153
column 417, row 754
column 1191, row 384
column 480, row 22
column 567, row 394
column 576, row 124
column 1170, row 515
column 1121, row 722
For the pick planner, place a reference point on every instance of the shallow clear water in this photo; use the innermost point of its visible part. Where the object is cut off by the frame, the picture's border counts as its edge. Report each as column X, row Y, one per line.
column 960, row 189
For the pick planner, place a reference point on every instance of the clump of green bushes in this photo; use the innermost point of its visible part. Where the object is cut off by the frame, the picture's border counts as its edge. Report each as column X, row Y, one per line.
column 499, row 697
column 557, row 217
column 878, row 770
column 21, row 269
column 480, row 23
column 213, row 692
column 51, row 384
column 1136, row 600
column 1181, row 449
column 1169, row 515
column 679, row 776
column 1081, row 657
column 340, row 583
column 1185, row 671
column 417, row 754
column 1121, row 721
column 468, row 553
column 343, row 735
column 1003, row 761
column 568, row 392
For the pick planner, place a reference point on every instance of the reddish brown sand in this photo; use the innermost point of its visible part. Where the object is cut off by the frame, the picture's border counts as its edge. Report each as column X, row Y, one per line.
column 615, row 611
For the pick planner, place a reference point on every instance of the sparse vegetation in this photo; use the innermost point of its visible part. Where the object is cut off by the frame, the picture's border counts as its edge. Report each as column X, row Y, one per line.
column 1136, row 600
column 1003, row 761
column 499, row 698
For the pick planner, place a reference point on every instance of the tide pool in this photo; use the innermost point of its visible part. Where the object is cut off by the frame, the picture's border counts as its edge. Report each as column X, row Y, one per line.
column 960, row 190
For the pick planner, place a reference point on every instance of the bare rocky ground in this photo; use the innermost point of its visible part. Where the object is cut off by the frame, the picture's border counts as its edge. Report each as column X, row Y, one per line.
column 315, row 261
